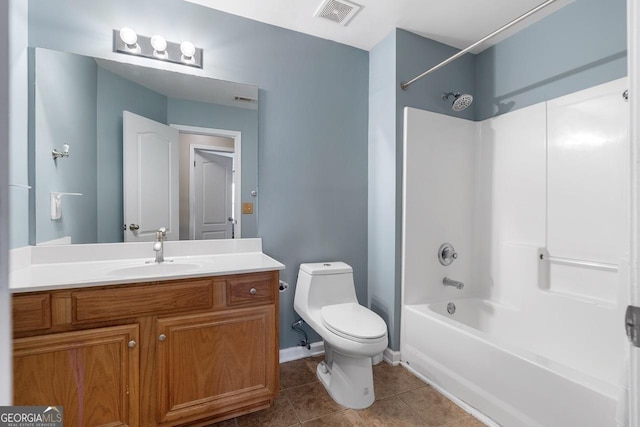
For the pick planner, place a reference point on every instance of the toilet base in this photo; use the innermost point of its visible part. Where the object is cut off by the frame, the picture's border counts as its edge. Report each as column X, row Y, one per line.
column 348, row 380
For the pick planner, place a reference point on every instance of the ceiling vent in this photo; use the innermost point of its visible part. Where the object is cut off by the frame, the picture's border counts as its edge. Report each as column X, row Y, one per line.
column 340, row 11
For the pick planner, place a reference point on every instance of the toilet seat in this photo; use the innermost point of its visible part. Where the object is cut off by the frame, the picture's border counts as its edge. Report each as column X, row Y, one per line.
column 354, row 322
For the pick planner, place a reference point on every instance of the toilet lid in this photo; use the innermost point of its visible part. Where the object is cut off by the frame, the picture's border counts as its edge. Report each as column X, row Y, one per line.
column 352, row 320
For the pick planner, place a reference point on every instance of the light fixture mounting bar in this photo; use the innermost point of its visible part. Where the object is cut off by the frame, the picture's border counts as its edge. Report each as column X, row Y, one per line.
column 143, row 48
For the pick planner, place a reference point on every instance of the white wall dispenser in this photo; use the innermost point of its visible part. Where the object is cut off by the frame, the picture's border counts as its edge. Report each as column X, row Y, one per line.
column 56, row 203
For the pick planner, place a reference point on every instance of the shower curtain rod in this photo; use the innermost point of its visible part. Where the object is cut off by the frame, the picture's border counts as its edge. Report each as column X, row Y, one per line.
column 405, row 85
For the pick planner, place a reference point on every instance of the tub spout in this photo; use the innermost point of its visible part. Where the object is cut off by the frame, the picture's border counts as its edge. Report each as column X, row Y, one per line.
column 450, row 282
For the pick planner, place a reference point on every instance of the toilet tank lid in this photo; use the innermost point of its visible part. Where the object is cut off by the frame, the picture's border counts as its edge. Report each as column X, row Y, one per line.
column 318, row 268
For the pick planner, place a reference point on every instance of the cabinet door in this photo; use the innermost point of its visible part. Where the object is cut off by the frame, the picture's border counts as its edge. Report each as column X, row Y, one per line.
column 92, row 374
column 210, row 364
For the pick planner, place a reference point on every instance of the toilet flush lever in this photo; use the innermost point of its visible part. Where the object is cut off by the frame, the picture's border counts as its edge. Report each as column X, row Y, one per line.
column 446, row 254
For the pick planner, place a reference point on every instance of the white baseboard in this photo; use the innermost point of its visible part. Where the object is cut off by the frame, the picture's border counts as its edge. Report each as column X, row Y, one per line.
column 299, row 352
column 392, row 357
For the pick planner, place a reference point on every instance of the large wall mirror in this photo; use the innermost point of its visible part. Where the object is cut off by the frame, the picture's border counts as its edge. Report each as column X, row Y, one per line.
column 138, row 149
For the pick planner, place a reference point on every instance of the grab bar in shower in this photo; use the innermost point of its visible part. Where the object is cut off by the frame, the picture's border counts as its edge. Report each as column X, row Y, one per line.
column 578, row 262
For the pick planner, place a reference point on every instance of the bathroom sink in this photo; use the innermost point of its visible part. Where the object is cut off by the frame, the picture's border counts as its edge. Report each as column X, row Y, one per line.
column 154, row 269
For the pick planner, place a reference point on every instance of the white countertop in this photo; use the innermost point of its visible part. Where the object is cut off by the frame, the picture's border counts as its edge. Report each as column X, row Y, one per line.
column 39, row 268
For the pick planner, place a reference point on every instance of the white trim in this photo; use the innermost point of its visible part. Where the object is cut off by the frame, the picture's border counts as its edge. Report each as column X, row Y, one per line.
column 633, row 61
column 299, row 352
column 237, row 167
column 465, row 406
column 204, row 147
column 392, row 357
column 6, row 384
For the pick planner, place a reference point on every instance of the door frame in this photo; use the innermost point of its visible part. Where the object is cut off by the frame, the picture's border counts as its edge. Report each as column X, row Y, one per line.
column 7, row 13
column 633, row 61
column 237, row 169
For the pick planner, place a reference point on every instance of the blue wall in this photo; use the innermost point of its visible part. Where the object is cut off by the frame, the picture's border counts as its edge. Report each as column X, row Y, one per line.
column 312, row 118
column 414, row 55
column 382, row 183
column 190, row 113
column 581, row 45
column 65, row 112
column 116, row 94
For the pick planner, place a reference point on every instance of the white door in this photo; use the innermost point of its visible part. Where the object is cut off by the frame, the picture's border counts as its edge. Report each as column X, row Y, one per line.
column 150, row 178
column 212, row 195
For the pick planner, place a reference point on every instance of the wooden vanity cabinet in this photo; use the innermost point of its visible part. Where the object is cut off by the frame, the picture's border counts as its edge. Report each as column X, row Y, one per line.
column 212, row 361
column 93, row 374
column 172, row 353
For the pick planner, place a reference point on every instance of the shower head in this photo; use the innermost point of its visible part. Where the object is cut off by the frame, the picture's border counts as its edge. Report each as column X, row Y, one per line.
column 460, row 101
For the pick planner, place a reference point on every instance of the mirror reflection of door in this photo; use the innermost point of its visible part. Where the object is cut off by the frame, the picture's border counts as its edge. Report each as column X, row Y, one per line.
column 210, row 183
column 150, row 178
column 212, row 203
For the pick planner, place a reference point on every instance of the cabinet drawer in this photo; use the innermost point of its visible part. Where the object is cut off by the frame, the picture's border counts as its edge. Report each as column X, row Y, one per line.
column 110, row 304
column 31, row 312
column 250, row 290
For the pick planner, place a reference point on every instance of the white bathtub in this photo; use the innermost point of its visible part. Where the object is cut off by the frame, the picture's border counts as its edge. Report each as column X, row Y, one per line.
column 481, row 356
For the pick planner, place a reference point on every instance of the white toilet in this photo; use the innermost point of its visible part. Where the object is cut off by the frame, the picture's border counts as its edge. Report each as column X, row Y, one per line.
column 326, row 299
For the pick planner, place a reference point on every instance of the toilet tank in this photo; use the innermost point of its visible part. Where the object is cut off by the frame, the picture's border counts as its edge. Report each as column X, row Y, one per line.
column 321, row 284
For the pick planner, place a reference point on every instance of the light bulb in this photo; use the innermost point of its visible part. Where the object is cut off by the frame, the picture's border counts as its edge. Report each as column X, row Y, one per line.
column 159, row 44
column 129, row 37
column 187, row 49
column 65, row 148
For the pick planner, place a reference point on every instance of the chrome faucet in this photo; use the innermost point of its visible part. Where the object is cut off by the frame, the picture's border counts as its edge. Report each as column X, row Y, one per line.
column 158, row 246
column 450, row 282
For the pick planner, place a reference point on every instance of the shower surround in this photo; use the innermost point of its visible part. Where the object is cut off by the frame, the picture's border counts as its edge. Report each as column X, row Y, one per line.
column 536, row 204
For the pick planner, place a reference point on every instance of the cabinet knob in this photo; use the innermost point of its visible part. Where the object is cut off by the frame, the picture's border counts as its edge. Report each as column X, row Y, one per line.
column 252, row 291
column 134, row 227
column 162, row 338
column 132, row 344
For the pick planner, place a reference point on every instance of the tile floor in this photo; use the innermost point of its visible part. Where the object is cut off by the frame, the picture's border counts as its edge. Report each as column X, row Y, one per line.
column 401, row 400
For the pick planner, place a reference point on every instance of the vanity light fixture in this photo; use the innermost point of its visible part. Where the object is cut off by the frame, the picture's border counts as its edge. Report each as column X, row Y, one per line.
column 127, row 41
column 129, row 38
column 188, row 50
column 159, row 45
column 64, row 153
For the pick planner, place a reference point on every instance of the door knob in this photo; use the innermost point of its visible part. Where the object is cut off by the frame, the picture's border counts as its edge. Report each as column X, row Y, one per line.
column 134, row 227
column 162, row 338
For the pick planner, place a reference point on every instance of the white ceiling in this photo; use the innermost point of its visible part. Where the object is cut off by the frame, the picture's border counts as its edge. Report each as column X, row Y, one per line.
column 457, row 23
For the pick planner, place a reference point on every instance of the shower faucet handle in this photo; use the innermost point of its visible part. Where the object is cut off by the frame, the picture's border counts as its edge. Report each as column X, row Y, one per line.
column 446, row 254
